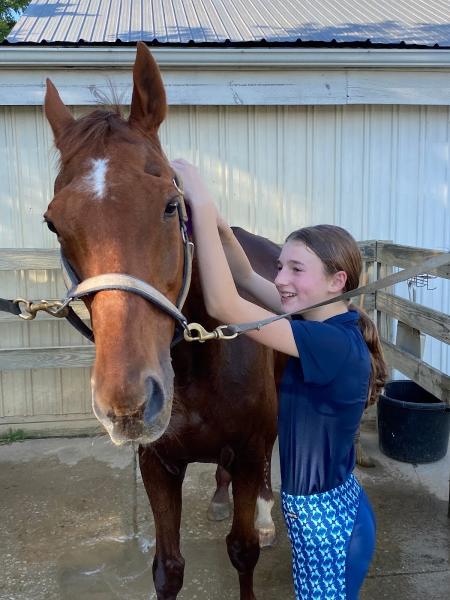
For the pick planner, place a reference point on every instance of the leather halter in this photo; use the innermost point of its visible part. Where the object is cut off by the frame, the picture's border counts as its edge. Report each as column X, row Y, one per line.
column 120, row 281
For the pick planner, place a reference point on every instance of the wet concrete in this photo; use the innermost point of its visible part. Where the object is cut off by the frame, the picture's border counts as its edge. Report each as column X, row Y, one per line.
column 76, row 525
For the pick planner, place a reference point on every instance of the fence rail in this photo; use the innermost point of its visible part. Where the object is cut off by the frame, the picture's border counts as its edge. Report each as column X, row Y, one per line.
column 28, row 259
column 429, row 321
column 395, row 255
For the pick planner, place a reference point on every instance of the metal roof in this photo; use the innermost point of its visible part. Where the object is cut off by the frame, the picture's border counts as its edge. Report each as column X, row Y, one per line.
column 385, row 22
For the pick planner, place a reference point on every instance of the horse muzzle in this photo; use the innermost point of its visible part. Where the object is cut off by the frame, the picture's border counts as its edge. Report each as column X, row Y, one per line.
column 134, row 415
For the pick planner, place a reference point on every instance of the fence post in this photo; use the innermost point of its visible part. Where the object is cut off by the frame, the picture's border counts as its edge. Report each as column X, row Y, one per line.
column 384, row 322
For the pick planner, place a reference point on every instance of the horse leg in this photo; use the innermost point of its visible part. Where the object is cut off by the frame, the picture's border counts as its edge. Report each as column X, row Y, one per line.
column 164, row 492
column 220, row 505
column 242, row 541
column 264, row 523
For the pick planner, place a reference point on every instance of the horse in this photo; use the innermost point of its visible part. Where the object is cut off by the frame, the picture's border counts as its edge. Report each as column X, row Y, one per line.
column 116, row 210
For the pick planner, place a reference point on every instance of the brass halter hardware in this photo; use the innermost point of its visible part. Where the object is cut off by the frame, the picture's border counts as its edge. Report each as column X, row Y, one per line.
column 202, row 335
column 55, row 309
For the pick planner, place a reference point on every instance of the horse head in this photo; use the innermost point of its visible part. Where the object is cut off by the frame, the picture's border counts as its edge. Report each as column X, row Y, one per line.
column 115, row 210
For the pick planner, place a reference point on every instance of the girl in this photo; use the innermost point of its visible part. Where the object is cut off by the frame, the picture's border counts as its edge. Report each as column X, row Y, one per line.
column 335, row 370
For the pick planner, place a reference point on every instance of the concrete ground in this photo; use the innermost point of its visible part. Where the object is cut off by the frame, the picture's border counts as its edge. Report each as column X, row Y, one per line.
column 75, row 525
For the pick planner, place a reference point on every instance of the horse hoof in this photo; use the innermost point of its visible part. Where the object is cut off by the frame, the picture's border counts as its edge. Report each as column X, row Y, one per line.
column 267, row 537
column 364, row 460
column 219, row 512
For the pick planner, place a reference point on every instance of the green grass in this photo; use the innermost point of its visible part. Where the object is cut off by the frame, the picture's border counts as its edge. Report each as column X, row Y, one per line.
column 13, row 435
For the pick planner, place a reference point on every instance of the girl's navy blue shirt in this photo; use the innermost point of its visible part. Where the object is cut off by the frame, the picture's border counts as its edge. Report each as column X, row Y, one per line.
column 322, row 397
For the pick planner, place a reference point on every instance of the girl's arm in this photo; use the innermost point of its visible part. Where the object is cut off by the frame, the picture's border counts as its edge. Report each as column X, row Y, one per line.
column 220, row 294
column 243, row 274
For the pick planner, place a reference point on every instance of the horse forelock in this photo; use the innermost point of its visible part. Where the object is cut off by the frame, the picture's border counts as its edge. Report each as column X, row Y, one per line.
column 90, row 135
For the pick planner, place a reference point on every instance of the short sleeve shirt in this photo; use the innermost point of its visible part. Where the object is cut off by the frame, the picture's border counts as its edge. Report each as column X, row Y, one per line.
column 322, row 397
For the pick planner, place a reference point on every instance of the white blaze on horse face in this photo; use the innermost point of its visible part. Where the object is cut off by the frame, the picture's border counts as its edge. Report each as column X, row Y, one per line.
column 96, row 179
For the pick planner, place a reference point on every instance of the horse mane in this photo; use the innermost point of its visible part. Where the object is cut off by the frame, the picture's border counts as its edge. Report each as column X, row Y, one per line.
column 91, row 133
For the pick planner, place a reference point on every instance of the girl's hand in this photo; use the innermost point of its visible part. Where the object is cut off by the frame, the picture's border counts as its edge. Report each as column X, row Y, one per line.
column 225, row 230
column 196, row 193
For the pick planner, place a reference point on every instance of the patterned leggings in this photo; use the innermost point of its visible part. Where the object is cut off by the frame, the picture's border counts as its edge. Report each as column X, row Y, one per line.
column 333, row 539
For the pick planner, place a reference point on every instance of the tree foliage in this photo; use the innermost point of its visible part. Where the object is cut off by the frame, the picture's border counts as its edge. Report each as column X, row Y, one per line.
column 9, row 11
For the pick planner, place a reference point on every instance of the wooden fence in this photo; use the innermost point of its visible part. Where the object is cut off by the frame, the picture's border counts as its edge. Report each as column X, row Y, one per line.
column 379, row 259
column 412, row 320
column 45, row 363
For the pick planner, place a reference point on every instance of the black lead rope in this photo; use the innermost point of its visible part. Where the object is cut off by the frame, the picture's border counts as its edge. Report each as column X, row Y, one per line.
column 79, row 325
column 12, row 307
column 9, row 306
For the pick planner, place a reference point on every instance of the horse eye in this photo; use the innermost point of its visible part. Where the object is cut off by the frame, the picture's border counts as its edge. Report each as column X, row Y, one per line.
column 171, row 208
column 51, row 227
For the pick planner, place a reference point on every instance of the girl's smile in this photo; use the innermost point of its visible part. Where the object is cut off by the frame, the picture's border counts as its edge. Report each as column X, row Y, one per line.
column 302, row 281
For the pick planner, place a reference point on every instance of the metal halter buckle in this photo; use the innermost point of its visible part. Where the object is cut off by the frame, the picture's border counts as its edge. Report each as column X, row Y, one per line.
column 55, row 309
column 202, row 335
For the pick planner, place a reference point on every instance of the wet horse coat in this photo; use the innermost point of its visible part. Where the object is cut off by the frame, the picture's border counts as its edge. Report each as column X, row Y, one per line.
column 113, row 212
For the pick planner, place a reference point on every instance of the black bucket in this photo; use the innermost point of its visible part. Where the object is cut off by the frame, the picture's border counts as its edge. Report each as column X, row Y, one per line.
column 413, row 425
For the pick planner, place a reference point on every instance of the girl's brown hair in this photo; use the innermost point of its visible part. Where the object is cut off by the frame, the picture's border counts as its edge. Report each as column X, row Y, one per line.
column 338, row 251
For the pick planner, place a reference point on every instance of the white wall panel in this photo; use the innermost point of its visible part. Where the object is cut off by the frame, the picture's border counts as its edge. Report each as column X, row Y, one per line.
column 380, row 171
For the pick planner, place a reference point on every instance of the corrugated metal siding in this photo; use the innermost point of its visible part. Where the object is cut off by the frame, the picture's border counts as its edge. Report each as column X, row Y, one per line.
column 182, row 21
column 380, row 172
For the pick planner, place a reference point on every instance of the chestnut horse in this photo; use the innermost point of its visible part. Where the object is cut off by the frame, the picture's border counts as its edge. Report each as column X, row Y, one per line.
column 115, row 211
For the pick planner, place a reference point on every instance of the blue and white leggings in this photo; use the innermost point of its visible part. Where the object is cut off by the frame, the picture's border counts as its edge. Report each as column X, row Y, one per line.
column 333, row 540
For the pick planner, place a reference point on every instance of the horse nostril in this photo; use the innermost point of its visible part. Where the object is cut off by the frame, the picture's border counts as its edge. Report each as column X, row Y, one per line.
column 111, row 415
column 154, row 399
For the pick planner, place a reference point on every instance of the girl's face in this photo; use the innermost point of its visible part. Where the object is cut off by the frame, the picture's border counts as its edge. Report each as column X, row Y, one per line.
column 301, row 279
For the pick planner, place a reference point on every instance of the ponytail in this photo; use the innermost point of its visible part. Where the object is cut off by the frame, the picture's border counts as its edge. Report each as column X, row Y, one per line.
column 378, row 373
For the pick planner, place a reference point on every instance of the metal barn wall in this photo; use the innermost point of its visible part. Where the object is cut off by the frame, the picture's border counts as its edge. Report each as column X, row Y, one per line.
column 379, row 171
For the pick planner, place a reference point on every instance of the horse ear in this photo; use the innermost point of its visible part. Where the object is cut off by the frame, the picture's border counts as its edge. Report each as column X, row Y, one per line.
column 57, row 113
column 148, row 104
